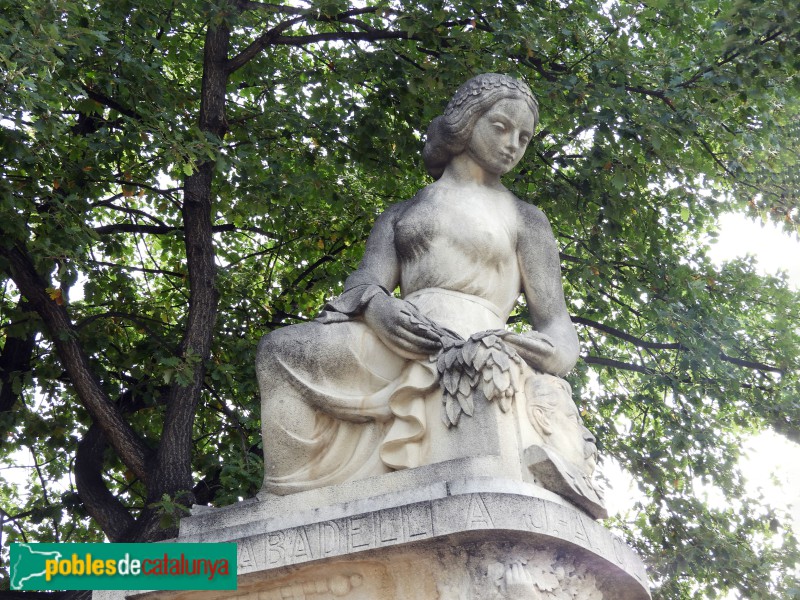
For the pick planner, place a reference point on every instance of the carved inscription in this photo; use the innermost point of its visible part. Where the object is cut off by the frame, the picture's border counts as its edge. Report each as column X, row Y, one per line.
column 547, row 518
column 361, row 534
column 390, row 526
column 424, row 520
column 534, row 516
column 328, row 538
column 419, row 520
column 333, row 538
column 478, row 516
column 276, row 552
column 246, row 559
column 581, row 533
column 559, row 521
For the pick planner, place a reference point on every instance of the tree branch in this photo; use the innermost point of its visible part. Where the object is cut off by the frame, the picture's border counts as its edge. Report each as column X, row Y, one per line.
column 166, row 229
column 168, row 193
column 139, row 269
column 261, row 42
column 660, row 94
column 748, row 364
column 130, row 447
column 109, row 203
column 731, row 56
column 206, row 489
column 311, row 268
column 351, row 36
column 136, row 228
column 617, row 364
column 139, row 320
column 15, row 360
column 102, row 505
column 628, row 337
column 274, row 36
column 110, row 102
column 173, row 472
column 273, row 8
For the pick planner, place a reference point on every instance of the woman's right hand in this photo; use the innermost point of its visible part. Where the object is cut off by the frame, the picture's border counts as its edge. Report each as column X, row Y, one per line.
column 396, row 322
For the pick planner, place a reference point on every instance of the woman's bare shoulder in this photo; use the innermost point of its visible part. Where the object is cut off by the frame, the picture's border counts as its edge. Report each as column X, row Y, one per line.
column 395, row 211
column 531, row 217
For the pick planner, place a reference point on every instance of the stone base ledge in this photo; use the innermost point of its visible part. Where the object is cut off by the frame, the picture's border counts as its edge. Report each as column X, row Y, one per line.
column 270, row 513
column 467, row 539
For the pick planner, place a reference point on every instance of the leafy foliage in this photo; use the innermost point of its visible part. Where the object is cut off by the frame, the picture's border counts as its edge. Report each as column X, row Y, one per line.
column 181, row 177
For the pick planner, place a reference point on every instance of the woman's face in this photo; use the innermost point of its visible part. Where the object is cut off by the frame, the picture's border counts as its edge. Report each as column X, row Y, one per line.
column 501, row 135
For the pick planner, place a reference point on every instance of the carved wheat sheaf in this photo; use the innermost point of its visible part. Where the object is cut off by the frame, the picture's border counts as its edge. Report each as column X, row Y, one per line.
column 481, row 367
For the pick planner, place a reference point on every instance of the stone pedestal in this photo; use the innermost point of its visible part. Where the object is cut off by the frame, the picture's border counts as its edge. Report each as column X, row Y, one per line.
column 462, row 539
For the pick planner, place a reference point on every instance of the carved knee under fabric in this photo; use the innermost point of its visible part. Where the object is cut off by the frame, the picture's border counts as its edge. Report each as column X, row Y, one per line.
column 325, row 391
column 370, row 407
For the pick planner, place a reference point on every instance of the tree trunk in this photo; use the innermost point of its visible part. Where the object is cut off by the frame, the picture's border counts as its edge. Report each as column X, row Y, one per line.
column 173, row 470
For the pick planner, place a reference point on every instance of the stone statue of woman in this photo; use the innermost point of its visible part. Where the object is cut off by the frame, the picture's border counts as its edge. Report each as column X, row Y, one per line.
column 359, row 392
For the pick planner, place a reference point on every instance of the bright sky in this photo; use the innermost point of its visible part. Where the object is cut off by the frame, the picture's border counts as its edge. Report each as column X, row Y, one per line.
column 772, row 463
column 774, row 248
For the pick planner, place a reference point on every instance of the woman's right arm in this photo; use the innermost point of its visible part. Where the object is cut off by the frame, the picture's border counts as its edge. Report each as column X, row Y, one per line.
column 368, row 292
column 380, row 265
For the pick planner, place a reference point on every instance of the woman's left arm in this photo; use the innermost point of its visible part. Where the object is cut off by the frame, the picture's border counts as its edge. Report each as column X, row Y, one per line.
column 553, row 346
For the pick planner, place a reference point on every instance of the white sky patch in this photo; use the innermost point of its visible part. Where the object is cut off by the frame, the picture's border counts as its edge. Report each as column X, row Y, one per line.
column 621, row 492
column 773, row 248
column 772, row 468
column 771, row 463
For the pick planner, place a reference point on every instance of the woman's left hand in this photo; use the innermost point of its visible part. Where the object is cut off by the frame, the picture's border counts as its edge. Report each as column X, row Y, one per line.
column 534, row 347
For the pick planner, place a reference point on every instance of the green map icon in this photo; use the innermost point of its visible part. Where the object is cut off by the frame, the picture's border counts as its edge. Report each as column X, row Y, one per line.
column 28, row 564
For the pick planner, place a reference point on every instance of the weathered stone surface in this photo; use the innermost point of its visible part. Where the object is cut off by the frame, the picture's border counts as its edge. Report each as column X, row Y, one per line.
column 463, row 539
column 469, row 571
column 378, row 383
column 566, row 481
column 414, row 448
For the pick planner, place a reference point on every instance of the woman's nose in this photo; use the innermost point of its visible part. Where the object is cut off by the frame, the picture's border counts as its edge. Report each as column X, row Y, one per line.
column 587, row 436
column 515, row 141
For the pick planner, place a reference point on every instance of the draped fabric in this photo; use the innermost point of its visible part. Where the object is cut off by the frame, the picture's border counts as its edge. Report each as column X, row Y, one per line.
column 373, row 410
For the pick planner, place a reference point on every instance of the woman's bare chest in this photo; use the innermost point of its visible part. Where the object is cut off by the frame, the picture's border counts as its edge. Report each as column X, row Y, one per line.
column 481, row 229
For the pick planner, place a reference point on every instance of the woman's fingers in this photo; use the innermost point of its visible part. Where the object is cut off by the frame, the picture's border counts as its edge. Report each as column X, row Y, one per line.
column 418, row 342
column 536, row 346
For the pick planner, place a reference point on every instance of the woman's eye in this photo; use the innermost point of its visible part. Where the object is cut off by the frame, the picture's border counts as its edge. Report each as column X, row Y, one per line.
column 524, row 139
column 499, row 126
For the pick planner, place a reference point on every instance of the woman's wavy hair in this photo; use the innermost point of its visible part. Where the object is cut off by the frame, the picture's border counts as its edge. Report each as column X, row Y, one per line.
column 449, row 134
